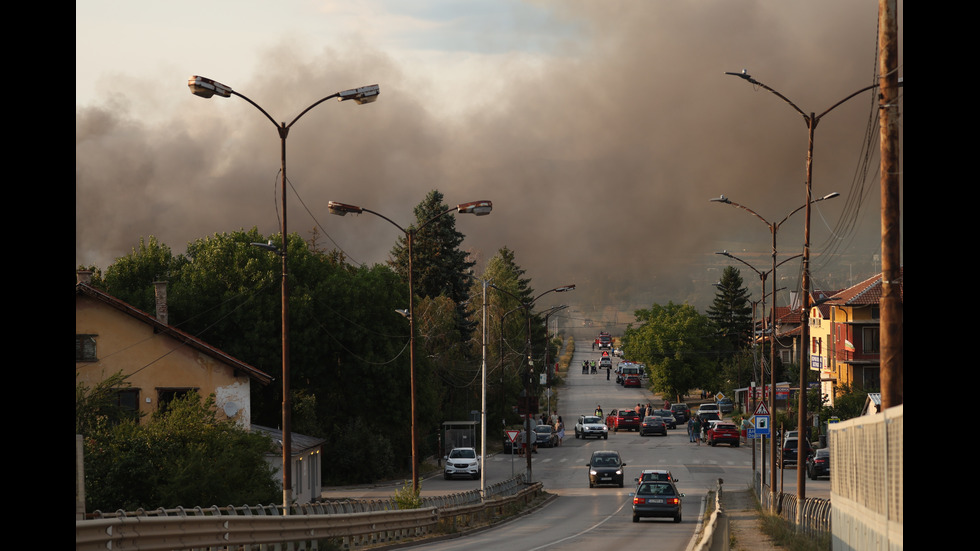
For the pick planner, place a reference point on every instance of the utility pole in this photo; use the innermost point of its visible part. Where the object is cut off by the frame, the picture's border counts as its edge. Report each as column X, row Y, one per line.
column 892, row 310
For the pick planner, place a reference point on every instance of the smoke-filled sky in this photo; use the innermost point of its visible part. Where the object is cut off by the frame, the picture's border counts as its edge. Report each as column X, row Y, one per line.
column 600, row 130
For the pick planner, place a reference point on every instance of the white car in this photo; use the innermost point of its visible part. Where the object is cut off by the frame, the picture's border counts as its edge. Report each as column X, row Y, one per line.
column 590, row 425
column 462, row 461
column 709, row 408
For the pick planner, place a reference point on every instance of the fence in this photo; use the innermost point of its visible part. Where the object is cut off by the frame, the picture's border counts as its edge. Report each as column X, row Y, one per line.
column 354, row 523
column 817, row 512
column 867, row 457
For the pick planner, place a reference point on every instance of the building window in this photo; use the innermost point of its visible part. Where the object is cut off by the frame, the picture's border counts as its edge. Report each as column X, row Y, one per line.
column 85, row 348
column 167, row 395
column 870, row 340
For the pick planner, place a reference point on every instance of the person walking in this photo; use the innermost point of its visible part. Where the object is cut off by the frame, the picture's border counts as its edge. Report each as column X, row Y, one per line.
column 608, row 371
column 696, row 429
column 561, row 430
column 598, row 411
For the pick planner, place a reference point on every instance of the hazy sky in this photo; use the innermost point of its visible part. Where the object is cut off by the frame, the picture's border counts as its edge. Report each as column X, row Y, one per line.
column 599, row 129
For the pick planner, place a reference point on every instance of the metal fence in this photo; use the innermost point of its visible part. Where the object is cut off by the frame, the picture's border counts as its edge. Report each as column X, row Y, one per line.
column 352, row 523
column 816, row 511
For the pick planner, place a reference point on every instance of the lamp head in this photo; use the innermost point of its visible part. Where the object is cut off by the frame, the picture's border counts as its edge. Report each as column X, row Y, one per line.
column 479, row 208
column 364, row 94
column 342, row 209
column 721, row 199
column 206, row 87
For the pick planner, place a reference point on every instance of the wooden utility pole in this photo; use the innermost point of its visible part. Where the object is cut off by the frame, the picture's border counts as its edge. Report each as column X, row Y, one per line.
column 892, row 309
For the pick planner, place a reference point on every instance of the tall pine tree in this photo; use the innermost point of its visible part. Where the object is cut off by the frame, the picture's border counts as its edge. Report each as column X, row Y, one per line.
column 730, row 311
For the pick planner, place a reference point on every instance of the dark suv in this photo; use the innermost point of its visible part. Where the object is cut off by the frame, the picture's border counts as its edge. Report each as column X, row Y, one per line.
column 791, row 454
column 605, row 467
column 681, row 412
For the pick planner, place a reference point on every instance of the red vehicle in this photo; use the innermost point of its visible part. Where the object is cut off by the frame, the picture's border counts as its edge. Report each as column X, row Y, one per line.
column 623, row 419
column 605, row 340
column 723, row 433
column 632, row 381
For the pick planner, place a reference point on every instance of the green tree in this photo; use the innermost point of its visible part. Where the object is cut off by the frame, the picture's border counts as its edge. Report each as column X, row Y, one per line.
column 678, row 346
column 130, row 278
column 439, row 266
column 731, row 312
column 183, row 457
column 99, row 405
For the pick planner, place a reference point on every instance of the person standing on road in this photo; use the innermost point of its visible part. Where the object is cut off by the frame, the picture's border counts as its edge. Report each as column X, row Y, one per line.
column 598, row 411
column 561, row 430
column 696, row 429
column 608, row 370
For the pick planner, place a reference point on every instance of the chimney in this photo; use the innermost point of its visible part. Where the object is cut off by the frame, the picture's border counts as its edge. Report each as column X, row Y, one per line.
column 160, row 291
column 83, row 276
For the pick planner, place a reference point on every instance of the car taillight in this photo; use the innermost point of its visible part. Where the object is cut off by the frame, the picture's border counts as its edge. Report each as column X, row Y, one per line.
column 674, row 501
column 639, row 501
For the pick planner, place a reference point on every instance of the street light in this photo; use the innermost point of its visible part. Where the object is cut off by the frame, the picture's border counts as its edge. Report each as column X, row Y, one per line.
column 811, row 120
column 772, row 338
column 526, row 306
column 773, row 229
column 207, row 88
column 479, row 208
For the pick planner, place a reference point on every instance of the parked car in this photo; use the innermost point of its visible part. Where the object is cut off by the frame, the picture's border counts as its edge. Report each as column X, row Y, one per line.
column 818, row 464
column 667, row 416
column 723, row 432
column 652, row 425
column 656, row 499
column 681, row 412
column 516, row 446
column 462, row 462
column 709, row 408
column 623, row 419
column 605, row 363
column 590, row 425
column 708, row 416
column 725, row 405
column 790, row 454
column 546, row 436
column 632, row 381
column 605, row 467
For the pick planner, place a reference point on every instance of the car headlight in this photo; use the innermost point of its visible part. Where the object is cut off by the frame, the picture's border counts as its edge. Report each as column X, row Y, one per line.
column 592, row 472
column 619, row 471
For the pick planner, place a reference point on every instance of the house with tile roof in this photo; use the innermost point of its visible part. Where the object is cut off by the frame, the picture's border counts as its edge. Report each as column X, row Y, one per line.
column 844, row 337
column 160, row 361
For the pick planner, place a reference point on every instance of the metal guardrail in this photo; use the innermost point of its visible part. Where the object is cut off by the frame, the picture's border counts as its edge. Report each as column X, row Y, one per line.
column 816, row 511
column 354, row 523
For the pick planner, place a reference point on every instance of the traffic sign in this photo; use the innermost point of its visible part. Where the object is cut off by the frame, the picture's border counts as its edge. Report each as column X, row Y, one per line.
column 761, row 423
column 512, row 435
column 761, row 409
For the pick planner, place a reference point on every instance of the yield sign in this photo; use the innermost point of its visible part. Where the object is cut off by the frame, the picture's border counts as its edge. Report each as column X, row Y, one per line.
column 512, row 435
column 761, row 409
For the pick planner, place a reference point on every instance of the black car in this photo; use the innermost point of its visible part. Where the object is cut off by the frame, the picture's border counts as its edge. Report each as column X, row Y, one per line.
column 546, row 436
column 657, row 499
column 681, row 412
column 605, row 467
column 668, row 417
column 653, row 425
column 790, row 454
column 818, row 464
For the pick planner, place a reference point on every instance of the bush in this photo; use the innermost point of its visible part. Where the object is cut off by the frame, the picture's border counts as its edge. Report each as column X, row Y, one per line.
column 183, row 457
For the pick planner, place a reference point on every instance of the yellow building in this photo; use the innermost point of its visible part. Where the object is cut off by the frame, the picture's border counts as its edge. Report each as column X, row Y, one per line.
column 844, row 337
column 160, row 361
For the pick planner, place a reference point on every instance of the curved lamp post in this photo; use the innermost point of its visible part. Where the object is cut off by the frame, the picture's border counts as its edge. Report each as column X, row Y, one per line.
column 772, row 339
column 811, row 120
column 773, row 229
column 479, row 208
column 526, row 306
column 207, row 88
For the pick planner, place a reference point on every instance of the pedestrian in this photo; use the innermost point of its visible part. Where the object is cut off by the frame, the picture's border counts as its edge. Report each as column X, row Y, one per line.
column 696, row 429
column 561, row 430
column 598, row 411
column 608, row 371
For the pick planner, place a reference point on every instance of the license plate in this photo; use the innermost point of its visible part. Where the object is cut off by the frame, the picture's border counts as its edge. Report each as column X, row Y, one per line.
column 606, row 478
column 656, row 501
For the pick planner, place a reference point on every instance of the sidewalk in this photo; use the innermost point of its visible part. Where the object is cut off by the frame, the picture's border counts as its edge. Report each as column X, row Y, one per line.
column 744, row 525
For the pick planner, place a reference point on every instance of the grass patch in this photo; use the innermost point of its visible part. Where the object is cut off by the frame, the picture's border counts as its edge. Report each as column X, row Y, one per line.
column 784, row 534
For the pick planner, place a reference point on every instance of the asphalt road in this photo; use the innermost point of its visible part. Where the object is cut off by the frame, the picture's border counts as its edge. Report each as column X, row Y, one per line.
column 600, row 518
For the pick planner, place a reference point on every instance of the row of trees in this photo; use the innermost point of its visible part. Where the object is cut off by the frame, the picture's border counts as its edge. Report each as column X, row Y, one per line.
column 348, row 348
